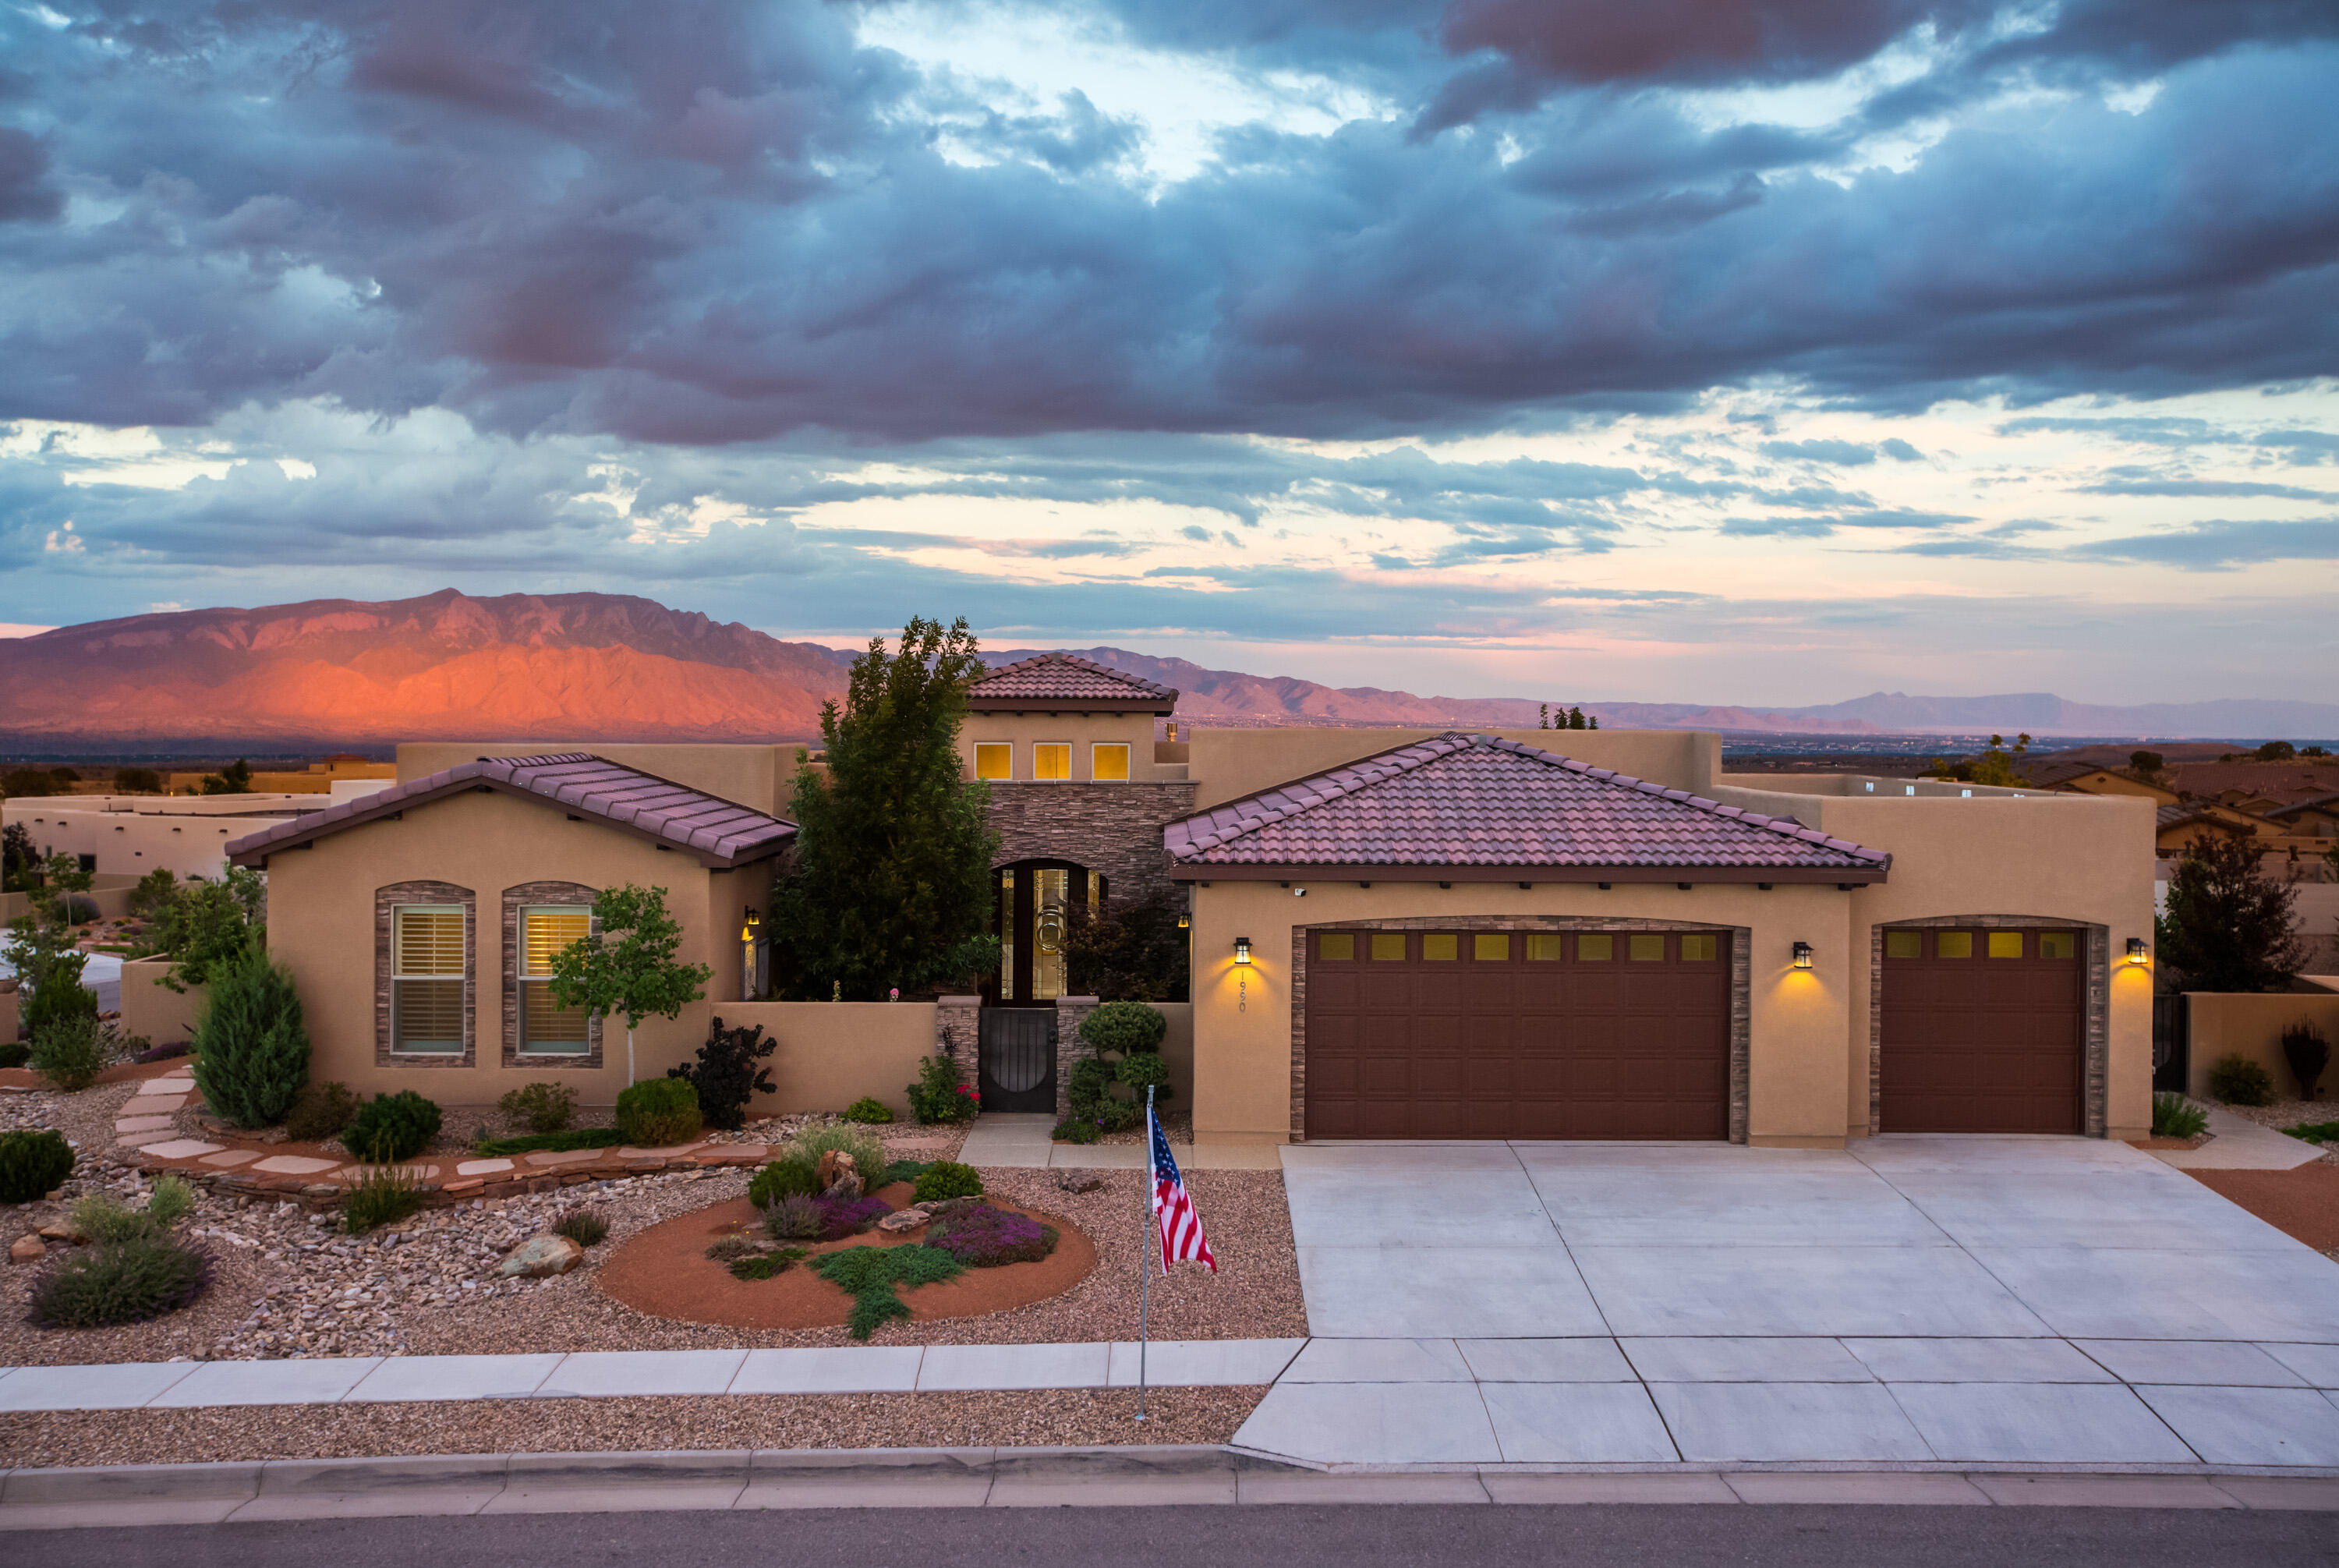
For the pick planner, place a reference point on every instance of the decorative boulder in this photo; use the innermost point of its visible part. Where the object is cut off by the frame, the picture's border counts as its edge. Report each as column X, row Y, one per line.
column 906, row 1219
column 1079, row 1181
column 540, row 1257
column 25, row 1248
column 837, row 1175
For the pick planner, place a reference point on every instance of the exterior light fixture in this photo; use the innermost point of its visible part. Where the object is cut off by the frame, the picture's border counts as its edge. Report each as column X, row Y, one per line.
column 750, row 982
column 2135, row 953
column 1242, row 949
column 1300, row 893
column 747, row 928
column 1185, row 922
column 1803, row 955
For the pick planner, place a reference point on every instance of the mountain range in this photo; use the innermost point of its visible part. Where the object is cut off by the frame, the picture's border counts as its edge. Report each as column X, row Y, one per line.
column 608, row 667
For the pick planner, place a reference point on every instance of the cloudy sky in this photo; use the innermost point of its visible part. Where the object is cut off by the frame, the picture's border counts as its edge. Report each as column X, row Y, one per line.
column 1691, row 349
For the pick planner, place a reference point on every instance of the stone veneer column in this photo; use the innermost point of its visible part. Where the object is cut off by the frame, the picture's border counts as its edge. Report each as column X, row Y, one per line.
column 1069, row 1047
column 958, row 1033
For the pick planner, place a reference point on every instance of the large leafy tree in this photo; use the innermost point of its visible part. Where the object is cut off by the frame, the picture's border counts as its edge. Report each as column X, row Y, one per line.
column 890, row 882
column 2228, row 925
column 627, row 963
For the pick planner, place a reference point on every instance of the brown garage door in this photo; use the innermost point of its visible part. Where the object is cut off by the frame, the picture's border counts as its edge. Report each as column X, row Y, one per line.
column 1983, row 1031
column 1517, row 1034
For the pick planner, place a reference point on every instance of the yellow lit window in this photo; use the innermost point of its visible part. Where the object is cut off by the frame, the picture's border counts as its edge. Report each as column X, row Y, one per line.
column 1904, row 944
column 994, row 760
column 2059, row 944
column 1490, row 948
column 544, row 1025
column 1646, row 948
column 1595, row 949
column 1953, row 944
column 1701, row 949
column 1110, row 762
column 1543, row 947
column 1389, row 945
column 428, row 962
column 2005, row 944
column 1441, row 948
column 1053, row 760
column 1336, row 944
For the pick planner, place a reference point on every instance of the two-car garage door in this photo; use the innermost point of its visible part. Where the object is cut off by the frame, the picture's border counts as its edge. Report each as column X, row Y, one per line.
column 1517, row 1034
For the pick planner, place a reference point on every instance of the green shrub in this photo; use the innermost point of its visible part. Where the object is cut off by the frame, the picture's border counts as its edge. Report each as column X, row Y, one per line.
column 173, row 1199
column 2237, row 1081
column 1088, row 1095
column 796, row 1217
column 790, row 1176
column 319, row 1112
column 70, row 1053
column 727, row 1075
column 1142, row 1070
column 79, row 907
column 948, row 1178
column 104, row 1219
column 2173, row 1116
column 391, row 1127
column 583, row 1227
column 14, row 1053
column 557, row 1142
column 868, row 1274
column 1077, row 1129
column 33, row 1163
column 542, row 1107
column 252, row 1048
column 119, row 1282
column 1124, row 1028
column 53, row 971
column 869, row 1109
column 900, row 1170
column 383, row 1194
column 765, row 1265
column 939, row 1096
column 2315, row 1131
column 867, row 1151
column 658, row 1112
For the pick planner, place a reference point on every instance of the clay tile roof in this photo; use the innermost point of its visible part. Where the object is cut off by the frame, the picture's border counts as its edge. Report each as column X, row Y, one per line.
column 1477, row 801
column 1067, row 682
column 720, row 832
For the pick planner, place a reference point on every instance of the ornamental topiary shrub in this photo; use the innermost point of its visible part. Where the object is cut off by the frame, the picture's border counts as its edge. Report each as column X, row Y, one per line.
column 1089, row 1096
column 33, row 1163
column 540, row 1107
column 796, row 1217
column 727, row 1075
column 119, row 1282
column 2236, row 1079
column 252, row 1048
column 391, row 1127
column 939, row 1096
column 319, row 1112
column 790, row 1176
column 948, row 1178
column 2173, row 1116
column 987, row 1238
column 1124, row 1028
column 869, row 1110
column 1143, row 1070
column 659, row 1112
column 70, row 1053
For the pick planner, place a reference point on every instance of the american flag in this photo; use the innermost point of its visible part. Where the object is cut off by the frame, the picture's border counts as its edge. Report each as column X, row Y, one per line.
column 1173, row 1212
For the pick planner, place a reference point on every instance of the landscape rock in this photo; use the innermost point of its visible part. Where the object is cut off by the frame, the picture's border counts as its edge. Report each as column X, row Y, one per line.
column 837, row 1175
column 63, row 1230
column 1079, row 1181
column 904, row 1219
column 540, row 1257
column 26, row 1248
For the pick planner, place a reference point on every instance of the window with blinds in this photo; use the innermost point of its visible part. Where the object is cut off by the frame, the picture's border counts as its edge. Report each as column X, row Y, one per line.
column 426, row 983
column 545, row 1026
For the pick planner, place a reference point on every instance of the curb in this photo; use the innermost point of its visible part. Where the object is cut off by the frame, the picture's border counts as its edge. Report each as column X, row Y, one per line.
column 723, row 1480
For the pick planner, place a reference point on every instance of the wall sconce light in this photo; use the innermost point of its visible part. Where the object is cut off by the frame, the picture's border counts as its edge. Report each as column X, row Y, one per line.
column 748, row 929
column 1242, row 949
column 1803, row 955
column 2135, row 953
column 1300, row 893
column 1185, row 922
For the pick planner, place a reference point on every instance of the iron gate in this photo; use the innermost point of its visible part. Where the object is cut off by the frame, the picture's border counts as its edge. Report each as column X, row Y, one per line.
column 1017, row 1059
column 2172, row 1043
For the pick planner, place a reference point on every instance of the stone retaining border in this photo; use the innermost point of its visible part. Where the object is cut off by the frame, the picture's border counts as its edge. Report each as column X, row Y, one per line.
column 727, row 1479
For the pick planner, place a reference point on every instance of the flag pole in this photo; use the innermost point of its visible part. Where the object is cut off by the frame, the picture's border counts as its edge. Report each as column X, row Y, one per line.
column 1144, row 1265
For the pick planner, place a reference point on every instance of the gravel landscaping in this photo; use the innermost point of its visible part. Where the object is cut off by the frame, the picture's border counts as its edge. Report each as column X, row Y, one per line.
column 1024, row 1419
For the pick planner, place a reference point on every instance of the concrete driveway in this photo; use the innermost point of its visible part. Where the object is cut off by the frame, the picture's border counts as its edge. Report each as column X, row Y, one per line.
column 1947, row 1299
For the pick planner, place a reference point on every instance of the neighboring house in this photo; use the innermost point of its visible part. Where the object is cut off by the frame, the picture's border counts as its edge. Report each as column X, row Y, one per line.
column 132, row 834
column 2175, row 826
column 2316, row 817
column 2090, row 778
column 1394, row 932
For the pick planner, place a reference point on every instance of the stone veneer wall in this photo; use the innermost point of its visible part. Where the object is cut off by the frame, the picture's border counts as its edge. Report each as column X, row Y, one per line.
column 1113, row 828
column 540, row 895
column 1069, row 1047
column 958, row 1032
column 441, row 893
column 2097, row 976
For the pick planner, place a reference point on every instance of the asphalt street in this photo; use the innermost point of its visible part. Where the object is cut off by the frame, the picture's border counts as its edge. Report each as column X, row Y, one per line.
column 1404, row 1537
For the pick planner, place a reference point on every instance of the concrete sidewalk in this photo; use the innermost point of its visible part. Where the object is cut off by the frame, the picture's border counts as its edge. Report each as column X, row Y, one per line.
column 1018, row 1140
column 723, row 1480
column 2240, row 1144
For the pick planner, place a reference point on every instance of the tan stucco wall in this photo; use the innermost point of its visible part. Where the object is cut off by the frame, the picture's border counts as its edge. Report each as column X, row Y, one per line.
column 2226, row 1023
column 152, row 1009
column 1081, row 731
column 830, row 1053
column 134, row 834
column 8, row 1005
column 1227, row 764
column 321, row 925
column 760, row 776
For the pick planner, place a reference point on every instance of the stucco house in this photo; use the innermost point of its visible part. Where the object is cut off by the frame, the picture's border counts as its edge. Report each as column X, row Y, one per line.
column 1394, row 933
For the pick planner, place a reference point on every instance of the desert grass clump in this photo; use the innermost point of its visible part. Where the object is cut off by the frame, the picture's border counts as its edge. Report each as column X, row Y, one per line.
column 2173, row 1116
column 583, row 1227
column 540, row 1107
column 796, row 1217
column 117, row 1282
column 867, row 1150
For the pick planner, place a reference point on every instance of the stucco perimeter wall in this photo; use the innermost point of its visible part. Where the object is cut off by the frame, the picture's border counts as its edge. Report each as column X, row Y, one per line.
column 2066, row 859
column 2230, row 1023
column 322, row 924
column 1800, row 1021
column 152, row 1009
column 759, row 776
column 8, row 1009
column 830, row 1053
column 1227, row 764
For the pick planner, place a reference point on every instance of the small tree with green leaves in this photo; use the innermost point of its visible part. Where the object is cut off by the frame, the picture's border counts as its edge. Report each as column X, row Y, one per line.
column 205, row 924
column 233, row 779
column 627, row 964
column 2228, row 925
column 890, row 885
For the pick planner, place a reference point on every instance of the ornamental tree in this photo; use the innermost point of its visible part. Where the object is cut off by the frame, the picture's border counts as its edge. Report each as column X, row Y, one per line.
column 626, row 964
column 2228, row 925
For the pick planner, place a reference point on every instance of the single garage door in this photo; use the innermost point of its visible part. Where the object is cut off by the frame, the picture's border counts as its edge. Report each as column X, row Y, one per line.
column 1517, row 1034
column 1983, row 1031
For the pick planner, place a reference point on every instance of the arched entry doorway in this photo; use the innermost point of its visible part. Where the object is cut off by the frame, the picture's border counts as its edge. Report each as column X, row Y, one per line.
column 1036, row 903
